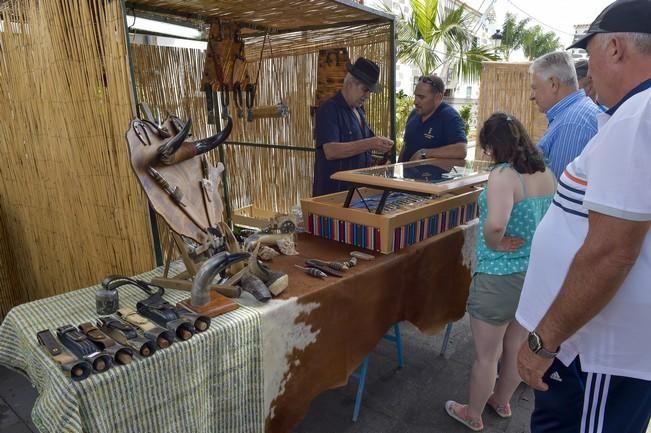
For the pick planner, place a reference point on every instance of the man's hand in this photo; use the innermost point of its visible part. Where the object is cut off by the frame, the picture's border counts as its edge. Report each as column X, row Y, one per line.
column 380, row 144
column 416, row 156
column 532, row 368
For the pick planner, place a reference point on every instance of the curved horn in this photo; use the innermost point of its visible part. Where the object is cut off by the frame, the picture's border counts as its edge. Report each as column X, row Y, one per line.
column 200, row 294
column 203, row 146
column 167, row 149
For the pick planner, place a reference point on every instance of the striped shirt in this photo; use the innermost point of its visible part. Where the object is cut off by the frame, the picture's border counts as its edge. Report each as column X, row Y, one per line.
column 610, row 177
column 572, row 123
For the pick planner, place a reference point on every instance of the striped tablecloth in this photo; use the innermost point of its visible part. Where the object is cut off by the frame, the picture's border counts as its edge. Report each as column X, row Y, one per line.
column 210, row 383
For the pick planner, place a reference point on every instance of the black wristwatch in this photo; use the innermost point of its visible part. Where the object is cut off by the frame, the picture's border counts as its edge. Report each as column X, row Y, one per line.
column 536, row 346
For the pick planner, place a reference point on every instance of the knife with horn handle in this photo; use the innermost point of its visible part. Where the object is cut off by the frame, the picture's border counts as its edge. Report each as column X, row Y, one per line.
column 163, row 337
column 120, row 354
column 73, row 367
column 127, row 335
column 82, row 347
column 165, row 314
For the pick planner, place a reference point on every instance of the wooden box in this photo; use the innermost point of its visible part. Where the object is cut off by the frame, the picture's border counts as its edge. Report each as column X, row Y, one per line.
column 325, row 216
column 254, row 217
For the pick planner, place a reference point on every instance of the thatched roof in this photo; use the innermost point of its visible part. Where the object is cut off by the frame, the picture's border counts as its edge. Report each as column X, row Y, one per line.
column 268, row 15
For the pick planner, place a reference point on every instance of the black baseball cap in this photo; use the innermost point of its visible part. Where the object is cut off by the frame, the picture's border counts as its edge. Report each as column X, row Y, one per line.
column 626, row 16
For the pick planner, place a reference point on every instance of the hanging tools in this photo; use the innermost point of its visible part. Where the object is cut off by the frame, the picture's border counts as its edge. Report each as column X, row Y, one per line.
column 314, row 272
column 279, row 111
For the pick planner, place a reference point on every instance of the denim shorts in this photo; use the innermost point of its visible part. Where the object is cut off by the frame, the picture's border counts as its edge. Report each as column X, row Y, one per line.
column 494, row 298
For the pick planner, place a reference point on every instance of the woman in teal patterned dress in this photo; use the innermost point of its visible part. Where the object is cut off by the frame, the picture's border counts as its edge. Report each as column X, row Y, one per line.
column 519, row 191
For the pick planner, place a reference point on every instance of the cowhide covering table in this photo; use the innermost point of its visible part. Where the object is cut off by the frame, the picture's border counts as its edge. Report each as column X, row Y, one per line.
column 258, row 367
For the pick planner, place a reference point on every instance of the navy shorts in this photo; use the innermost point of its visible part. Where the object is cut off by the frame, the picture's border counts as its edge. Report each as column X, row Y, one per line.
column 579, row 402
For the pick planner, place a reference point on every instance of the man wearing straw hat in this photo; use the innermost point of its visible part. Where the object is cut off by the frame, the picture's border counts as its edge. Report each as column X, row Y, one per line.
column 344, row 140
column 587, row 293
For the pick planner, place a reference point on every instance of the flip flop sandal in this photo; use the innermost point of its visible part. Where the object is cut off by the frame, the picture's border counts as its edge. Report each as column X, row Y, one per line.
column 459, row 413
column 502, row 410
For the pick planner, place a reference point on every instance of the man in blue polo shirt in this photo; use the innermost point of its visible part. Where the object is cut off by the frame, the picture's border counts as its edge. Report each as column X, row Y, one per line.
column 343, row 138
column 434, row 129
column 571, row 114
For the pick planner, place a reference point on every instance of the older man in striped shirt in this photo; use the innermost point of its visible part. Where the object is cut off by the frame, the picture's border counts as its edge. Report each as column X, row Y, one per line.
column 571, row 114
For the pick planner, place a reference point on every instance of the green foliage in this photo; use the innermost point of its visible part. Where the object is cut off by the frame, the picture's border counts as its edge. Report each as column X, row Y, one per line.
column 537, row 42
column 465, row 112
column 404, row 106
column 513, row 33
column 534, row 41
column 422, row 35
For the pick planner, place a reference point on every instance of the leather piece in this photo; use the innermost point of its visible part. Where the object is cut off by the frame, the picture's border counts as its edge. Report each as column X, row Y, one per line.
column 76, row 342
column 425, row 284
column 129, row 315
column 126, row 335
column 186, row 175
column 96, row 336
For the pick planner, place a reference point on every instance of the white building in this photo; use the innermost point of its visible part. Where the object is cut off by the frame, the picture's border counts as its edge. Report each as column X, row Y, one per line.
column 579, row 31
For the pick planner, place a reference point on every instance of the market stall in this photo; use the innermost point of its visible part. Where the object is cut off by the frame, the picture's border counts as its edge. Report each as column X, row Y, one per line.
column 256, row 368
column 261, row 361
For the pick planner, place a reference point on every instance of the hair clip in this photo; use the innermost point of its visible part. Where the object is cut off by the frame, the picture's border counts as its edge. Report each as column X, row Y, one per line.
column 508, row 118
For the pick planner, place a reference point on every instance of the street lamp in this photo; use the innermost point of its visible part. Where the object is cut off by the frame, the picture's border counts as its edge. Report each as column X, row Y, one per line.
column 497, row 39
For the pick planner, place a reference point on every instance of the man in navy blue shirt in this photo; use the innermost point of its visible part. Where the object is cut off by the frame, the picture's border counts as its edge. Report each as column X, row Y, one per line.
column 343, row 138
column 434, row 129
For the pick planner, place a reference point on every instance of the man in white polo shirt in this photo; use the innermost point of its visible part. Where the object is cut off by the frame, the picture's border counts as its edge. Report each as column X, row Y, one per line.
column 587, row 294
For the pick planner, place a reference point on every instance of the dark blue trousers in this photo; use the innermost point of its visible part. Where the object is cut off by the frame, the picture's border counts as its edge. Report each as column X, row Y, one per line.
column 579, row 402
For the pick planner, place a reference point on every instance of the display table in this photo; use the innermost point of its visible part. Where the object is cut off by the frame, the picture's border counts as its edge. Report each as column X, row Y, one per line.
column 258, row 367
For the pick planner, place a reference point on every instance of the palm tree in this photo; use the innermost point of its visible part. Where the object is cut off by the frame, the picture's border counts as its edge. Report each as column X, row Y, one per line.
column 429, row 40
column 513, row 32
column 537, row 42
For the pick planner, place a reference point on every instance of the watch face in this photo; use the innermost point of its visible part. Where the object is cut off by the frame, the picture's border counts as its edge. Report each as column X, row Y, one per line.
column 534, row 342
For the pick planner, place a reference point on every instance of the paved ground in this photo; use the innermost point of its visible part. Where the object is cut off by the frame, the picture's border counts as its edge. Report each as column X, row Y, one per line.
column 409, row 400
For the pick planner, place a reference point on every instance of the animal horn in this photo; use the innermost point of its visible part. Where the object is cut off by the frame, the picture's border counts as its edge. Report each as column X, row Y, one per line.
column 203, row 146
column 166, row 150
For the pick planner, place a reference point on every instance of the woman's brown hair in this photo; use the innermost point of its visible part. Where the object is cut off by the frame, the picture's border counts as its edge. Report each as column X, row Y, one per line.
column 504, row 138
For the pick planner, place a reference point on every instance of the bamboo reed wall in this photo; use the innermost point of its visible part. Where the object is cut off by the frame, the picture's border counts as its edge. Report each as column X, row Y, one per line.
column 272, row 179
column 71, row 210
column 507, row 87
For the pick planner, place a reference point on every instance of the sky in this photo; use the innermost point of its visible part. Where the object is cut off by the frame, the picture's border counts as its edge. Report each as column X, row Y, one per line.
column 559, row 16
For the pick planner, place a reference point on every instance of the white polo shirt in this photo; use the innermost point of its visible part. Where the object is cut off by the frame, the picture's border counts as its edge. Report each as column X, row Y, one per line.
column 612, row 176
